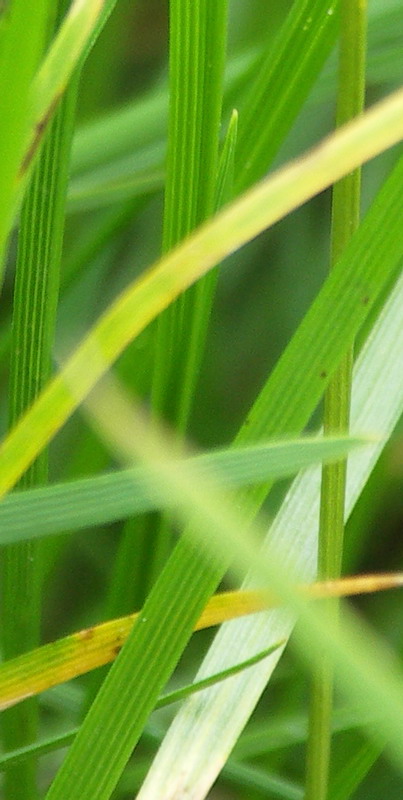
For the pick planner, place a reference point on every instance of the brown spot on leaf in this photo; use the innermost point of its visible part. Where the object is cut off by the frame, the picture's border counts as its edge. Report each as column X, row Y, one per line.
column 86, row 634
column 39, row 130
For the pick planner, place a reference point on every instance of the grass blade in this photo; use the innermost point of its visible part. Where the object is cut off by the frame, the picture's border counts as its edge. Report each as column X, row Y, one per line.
column 58, row 662
column 57, row 742
column 282, row 81
column 107, row 498
column 183, row 755
column 34, row 311
column 22, row 42
column 139, row 304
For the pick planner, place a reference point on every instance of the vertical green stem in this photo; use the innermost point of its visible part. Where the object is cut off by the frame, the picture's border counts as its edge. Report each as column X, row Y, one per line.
column 197, row 55
column 34, row 311
column 345, row 220
column 197, row 58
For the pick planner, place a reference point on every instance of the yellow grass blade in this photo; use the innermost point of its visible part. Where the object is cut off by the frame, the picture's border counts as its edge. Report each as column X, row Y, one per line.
column 81, row 652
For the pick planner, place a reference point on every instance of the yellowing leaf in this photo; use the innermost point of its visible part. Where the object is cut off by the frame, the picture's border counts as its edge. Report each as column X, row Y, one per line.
column 81, row 652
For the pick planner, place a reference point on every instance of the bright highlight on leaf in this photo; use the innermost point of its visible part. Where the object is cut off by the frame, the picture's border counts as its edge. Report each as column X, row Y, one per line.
column 81, row 652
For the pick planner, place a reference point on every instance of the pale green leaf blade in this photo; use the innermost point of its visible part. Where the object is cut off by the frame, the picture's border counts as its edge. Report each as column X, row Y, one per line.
column 184, row 757
column 110, row 497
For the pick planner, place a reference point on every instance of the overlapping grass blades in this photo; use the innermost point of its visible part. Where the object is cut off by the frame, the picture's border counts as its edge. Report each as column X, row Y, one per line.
column 269, row 83
column 238, row 223
column 294, row 529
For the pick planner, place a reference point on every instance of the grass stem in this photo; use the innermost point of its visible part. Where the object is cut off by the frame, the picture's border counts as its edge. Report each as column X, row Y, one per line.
column 345, row 220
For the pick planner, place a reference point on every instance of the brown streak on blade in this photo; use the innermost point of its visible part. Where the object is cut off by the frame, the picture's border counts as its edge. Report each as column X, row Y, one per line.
column 39, row 130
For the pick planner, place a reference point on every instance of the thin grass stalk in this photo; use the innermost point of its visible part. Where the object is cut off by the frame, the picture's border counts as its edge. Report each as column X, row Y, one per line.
column 34, row 312
column 57, row 742
column 345, row 220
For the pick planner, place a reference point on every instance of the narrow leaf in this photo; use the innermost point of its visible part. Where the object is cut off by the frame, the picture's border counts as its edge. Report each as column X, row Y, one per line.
column 106, row 498
column 57, row 662
column 234, row 226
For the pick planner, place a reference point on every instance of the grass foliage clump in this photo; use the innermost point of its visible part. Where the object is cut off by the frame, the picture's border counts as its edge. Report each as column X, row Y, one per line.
column 201, row 247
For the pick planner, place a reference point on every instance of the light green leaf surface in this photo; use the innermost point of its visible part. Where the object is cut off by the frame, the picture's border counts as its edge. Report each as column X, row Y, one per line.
column 185, row 753
column 381, row 689
column 141, row 122
column 59, row 64
column 235, row 225
column 109, row 497
column 191, row 582
column 21, row 43
column 285, row 75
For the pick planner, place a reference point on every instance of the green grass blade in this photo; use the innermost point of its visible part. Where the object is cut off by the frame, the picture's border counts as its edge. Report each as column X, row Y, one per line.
column 141, row 122
column 274, row 77
column 226, row 166
column 22, row 42
column 41, row 748
column 285, row 730
column 285, row 75
column 110, row 497
column 198, row 686
column 197, row 53
column 64, row 56
column 34, row 310
column 268, row 784
column 38, row 94
column 192, row 192
column 114, row 135
column 111, row 710
column 184, row 755
column 186, row 566
column 142, row 301
column 60, row 741
column 343, row 785
column 240, row 777
column 178, row 595
column 17, row 757
column 120, row 598
column 126, row 180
